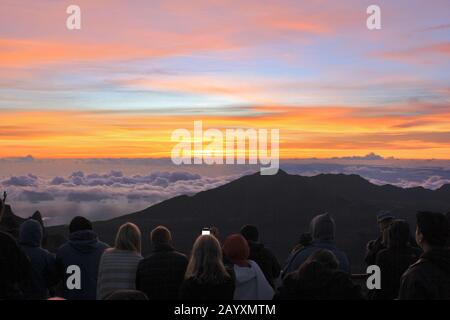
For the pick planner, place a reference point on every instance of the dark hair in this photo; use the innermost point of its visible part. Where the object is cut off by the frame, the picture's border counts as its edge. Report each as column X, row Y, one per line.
column 250, row 232
column 79, row 223
column 325, row 257
column 398, row 234
column 434, row 228
column 160, row 235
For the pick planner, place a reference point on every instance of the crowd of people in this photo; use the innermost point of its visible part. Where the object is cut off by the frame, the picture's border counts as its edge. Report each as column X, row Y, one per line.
column 240, row 268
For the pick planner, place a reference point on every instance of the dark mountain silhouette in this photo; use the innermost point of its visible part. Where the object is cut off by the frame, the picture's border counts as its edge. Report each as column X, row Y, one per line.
column 281, row 206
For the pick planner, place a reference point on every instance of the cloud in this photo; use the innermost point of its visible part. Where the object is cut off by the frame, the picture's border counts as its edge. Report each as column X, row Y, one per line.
column 35, row 196
column 21, row 181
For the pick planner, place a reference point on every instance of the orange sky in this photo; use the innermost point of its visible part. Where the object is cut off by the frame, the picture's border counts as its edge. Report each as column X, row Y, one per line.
column 136, row 72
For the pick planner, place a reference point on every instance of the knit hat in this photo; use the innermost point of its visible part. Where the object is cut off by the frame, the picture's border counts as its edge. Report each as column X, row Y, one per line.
column 79, row 223
column 384, row 215
column 236, row 249
column 322, row 227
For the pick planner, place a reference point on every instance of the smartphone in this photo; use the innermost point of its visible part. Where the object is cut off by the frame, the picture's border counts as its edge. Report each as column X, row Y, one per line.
column 206, row 231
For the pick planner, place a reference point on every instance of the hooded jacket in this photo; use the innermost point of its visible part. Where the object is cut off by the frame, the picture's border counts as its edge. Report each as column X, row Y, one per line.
column 322, row 230
column 251, row 284
column 83, row 250
column 43, row 267
column 428, row 278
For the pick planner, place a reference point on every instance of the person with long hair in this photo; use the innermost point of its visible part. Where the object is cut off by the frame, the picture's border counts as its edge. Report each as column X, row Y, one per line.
column 118, row 265
column 206, row 277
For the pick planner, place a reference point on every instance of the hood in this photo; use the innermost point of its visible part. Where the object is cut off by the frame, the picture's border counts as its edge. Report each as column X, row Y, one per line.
column 322, row 227
column 244, row 274
column 439, row 257
column 31, row 233
column 84, row 241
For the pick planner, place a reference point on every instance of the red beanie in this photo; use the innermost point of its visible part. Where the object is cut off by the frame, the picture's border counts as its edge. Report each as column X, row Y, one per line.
column 236, row 249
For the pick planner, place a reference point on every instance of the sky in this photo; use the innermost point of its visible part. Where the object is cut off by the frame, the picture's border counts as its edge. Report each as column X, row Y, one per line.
column 86, row 116
column 137, row 70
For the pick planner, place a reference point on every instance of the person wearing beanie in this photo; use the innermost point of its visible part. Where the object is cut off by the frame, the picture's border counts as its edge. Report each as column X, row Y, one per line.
column 250, row 281
column 322, row 229
column 384, row 220
column 429, row 277
column 85, row 251
column 43, row 267
column 265, row 259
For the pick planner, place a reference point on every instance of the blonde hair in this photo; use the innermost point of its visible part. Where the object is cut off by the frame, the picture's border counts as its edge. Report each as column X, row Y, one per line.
column 206, row 263
column 128, row 238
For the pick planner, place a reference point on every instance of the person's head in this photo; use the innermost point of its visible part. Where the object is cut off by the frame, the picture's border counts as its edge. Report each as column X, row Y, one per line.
column 205, row 263
column 79, row 224
column 128, row 238
column 432, row 230
column 250, row 233
column 236, row 249
column 323, row 227
column 398, row 234
column 384, row 220
column 30, row 233
column 160, row 236
column 325, row 257
column 215, row 232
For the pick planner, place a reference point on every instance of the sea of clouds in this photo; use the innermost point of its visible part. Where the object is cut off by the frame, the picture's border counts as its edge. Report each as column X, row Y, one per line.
column 102, row 191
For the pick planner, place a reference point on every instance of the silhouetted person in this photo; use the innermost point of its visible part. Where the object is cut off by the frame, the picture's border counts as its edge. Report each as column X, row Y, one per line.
column 429, row 277
column 43, row 266
column 250, row 282
column 384, row 219
column 265, row 259
column 118, row 265
column 394, row 260
column 38, row 217
column 15, row 269
column 83, row 250
column 322, row 230
column 206, row 276
column 319, row 278
column 161, row 273
column 127, row 295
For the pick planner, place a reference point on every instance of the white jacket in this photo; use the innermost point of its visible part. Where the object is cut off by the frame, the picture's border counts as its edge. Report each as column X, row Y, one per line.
column 251, row 284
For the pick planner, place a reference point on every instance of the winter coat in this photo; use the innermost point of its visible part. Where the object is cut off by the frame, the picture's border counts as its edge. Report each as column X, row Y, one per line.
column 83, row 250
column 43, row 266
column 251, row 284
column 160, row 274
column 428, row 278
column 266, row 260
